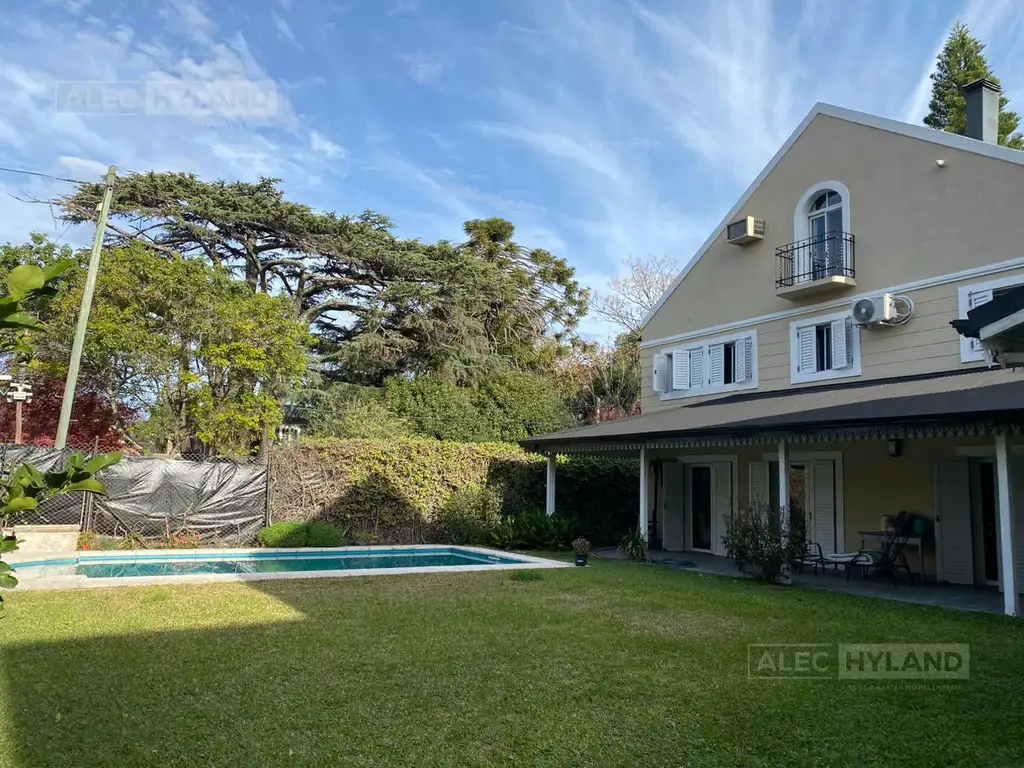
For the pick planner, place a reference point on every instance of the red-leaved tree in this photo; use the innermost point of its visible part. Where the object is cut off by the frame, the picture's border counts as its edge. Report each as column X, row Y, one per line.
column 93, row 417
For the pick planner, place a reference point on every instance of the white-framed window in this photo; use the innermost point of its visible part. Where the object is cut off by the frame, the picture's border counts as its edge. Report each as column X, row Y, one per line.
column 971, row 296
column 822, row 209
column 707, row 367
column 822, row 348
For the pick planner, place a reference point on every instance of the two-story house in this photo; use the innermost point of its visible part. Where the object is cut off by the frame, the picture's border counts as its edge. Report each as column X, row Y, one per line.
column 812, row 331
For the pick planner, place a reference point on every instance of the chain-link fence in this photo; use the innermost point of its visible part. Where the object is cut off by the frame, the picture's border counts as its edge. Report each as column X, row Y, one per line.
column 173, row 501
column 58, row 510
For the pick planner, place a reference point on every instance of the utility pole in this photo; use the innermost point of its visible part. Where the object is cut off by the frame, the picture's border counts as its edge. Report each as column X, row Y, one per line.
column 83, row 314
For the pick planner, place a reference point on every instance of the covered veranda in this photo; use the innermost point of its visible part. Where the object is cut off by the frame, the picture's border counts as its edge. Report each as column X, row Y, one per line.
column 938, row 446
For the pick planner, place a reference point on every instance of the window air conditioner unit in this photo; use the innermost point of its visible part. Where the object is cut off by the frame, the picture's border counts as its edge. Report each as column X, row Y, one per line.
column 745, row 230
column 874, row 310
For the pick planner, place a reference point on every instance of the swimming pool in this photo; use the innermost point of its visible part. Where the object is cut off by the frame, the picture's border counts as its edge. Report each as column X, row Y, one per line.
column 88, row 569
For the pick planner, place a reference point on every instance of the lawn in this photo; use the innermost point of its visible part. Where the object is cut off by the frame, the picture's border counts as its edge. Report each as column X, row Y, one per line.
column 617, row 665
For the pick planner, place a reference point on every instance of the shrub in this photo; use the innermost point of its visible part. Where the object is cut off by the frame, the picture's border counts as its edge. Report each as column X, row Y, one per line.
column 284, row 535
column 324, row 535
column 470, row 516
column 288, row 535
column 534, row 529
column 753, row 541
column 634, row 546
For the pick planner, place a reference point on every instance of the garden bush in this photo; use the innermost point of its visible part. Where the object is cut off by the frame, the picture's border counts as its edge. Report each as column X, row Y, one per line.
column 283, row 535
column 753, row 541
column 324, row 535
column 470, row 516
column 534, row 529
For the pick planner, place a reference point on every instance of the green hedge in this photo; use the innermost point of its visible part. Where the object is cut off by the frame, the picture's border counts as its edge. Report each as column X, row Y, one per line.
column 297, row 534
column 393, row 491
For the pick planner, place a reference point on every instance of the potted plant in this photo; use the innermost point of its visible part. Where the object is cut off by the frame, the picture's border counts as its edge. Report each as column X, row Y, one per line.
column 581, row 548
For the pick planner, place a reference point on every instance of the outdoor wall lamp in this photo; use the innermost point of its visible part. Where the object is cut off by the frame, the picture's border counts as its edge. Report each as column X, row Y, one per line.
column 895, row 447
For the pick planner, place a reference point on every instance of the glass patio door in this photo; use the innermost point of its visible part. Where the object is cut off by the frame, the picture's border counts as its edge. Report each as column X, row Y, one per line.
column 701, row 507
column 826, row 243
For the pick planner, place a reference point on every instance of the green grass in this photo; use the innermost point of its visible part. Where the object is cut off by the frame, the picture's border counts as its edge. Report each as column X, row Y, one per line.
column 616, row 664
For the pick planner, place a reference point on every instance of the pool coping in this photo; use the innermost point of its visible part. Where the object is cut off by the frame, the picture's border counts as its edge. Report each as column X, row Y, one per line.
column 26, row 581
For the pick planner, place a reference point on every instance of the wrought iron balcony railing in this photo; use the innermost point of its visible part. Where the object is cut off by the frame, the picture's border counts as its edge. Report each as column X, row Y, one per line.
column 815, row 258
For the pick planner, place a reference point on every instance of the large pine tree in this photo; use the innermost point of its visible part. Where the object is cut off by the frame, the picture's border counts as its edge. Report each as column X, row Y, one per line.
column 963, row 61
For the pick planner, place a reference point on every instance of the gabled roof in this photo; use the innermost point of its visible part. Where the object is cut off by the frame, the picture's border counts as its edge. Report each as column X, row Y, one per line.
column 942, row 138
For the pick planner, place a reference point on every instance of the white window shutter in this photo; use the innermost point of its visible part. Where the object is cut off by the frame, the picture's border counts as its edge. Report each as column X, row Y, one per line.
column 743, row 359
column 759, row 484
column 681, row 369
column 716, row 365
column 840, row 344
column 976, row 299
column 697, row 368
column 807, row 361
column 660, row 374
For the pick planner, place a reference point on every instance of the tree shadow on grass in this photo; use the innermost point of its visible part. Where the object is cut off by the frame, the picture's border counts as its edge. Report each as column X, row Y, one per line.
column 346, row 672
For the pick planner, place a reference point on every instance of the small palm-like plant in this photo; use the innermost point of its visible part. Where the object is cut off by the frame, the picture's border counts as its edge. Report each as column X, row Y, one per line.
column 634, row 546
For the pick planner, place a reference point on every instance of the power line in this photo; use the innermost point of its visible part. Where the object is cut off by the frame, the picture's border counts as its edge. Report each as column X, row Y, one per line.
column 45, row 175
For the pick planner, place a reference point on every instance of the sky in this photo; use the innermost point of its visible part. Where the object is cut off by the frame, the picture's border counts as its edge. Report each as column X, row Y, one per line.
column 602, row 129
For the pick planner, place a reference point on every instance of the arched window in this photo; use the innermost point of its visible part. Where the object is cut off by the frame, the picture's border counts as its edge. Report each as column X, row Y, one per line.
column 821, row 228
column 825, row 214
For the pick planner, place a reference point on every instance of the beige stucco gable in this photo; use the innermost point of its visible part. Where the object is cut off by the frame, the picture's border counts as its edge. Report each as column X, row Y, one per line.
column 911, row 220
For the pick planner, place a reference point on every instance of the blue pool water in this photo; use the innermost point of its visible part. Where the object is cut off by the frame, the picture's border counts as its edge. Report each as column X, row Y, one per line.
column 270, row 562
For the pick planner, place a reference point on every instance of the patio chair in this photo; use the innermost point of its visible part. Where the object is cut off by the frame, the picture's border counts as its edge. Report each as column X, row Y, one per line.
column 813, row 556
column 889, row 560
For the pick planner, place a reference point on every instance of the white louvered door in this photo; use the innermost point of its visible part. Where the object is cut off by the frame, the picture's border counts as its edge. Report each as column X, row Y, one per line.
column 821, row 505
column 721, row 478
column 673, row 527
column 953, row 522
column 759, row 488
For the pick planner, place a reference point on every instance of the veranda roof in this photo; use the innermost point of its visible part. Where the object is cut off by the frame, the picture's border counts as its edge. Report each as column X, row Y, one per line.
column 975, row 400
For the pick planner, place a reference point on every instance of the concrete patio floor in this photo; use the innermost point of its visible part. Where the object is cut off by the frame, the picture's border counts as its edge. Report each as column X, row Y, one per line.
column 962, row 598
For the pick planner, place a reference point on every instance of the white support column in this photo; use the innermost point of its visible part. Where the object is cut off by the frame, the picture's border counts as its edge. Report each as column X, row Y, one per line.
column 642, row 521
column 1007, row 560
column 549, row 505
column 783, row 500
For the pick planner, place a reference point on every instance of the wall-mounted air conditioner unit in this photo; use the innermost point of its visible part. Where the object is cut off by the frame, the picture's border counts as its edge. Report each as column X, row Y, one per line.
column 874, row 310
column 745, row 230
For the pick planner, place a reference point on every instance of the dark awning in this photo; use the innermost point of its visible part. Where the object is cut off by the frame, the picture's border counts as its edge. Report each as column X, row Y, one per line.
column 1001, row 307
column 976, row 396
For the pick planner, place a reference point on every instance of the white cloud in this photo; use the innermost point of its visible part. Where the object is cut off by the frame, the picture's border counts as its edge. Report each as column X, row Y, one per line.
column 423, row 69
column 282, row 27
column 222, row 115
column 324, row 146
column 403, row 6
column 191, row 18
column 81, row 168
